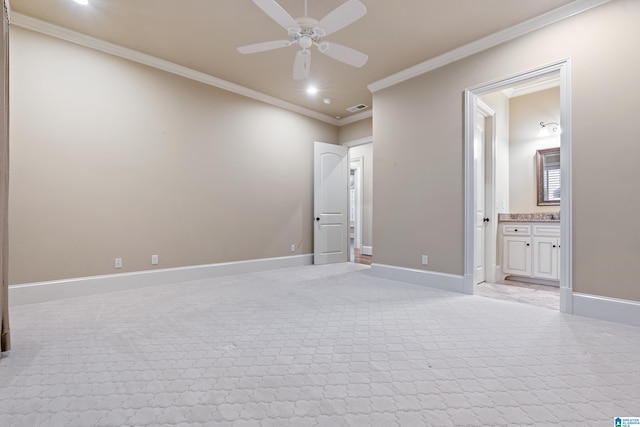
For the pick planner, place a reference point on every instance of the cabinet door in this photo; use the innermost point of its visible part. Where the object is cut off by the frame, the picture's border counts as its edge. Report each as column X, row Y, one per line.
column 516, row 255
column 545, row 257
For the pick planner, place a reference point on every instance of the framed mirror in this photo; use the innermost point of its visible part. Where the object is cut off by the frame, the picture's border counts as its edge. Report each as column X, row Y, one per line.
column 548, row 171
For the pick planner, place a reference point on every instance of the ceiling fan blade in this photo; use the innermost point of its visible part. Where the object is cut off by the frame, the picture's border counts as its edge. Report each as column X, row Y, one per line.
column 344, row 54
column 261, row 47
column 302, row 64
column 277, row 13
column 343, row 15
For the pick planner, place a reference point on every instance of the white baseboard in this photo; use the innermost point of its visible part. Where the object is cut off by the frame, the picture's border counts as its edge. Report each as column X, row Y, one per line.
column 447, row 282
column 367, row 250
column 566, row 300
column 30, row 293
column 604, row 308
column 493, row 273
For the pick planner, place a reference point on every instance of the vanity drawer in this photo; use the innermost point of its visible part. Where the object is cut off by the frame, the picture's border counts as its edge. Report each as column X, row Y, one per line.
column 516, row 229
column 546, row 230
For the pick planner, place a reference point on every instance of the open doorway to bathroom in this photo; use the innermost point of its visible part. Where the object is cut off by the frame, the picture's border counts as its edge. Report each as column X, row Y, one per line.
column 517, row 230
column 360, row 202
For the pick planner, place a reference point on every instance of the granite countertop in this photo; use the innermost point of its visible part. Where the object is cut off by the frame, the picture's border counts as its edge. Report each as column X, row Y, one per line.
column 535, row 217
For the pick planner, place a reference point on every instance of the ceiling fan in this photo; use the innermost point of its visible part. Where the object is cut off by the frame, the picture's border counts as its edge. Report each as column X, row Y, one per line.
column 307, row 32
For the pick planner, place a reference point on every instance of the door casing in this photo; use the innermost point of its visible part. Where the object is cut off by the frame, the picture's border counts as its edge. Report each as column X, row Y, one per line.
column 491, row 228
column 563, row 68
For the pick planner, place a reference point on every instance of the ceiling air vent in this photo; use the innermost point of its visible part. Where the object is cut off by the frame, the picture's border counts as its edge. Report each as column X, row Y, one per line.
column 356, row 108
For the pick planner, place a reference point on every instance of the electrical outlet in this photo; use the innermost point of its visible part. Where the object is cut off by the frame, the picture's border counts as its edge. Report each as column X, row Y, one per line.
column 154, row 259
column 425, row 260
column 293, row 248
column 118, row 263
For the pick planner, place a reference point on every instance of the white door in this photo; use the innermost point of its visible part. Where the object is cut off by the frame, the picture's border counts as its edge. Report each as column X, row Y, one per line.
column 330, row 207
column 479, row 201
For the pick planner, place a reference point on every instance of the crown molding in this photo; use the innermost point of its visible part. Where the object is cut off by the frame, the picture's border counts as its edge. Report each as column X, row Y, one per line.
column 43, row 27
column 356, row 117
column 487, row 42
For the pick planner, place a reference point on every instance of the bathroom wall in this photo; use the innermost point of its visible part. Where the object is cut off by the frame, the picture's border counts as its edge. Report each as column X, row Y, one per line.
column 525, row 114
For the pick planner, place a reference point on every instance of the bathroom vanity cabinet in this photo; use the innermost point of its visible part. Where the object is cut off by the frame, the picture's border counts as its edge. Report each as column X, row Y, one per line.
column 531, row 250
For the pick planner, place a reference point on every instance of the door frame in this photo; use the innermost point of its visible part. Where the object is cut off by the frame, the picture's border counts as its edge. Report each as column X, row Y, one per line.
column 357, row 228
column 563, row 67
column 365, row 250
column 491, row 229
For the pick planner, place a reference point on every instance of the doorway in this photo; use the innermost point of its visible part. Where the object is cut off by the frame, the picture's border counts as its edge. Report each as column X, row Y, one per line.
column 343, row 192
column 475, row 185
column 360, row 200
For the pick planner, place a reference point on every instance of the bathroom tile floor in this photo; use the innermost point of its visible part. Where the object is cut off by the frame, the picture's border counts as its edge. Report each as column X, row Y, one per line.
column 522, row 292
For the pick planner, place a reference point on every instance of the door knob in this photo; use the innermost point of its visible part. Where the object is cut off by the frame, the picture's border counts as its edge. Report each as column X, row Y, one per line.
column 528, row 244
column 485, row 220
column 317, row 218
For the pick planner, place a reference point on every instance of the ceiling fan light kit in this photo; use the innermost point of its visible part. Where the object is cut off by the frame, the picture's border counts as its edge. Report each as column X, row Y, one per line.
column 307, row 32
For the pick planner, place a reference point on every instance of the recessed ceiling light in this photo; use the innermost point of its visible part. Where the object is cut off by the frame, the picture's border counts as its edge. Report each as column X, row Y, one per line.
column 312, row 90
column 327, row 101
column 82, row 2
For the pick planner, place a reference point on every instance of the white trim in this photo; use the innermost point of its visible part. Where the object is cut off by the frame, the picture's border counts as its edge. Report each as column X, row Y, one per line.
column 566, row 191
column 432, row 279
column 487, row 42
column 367, row 250
column 358, row 162
column 37, row 25
column 8, row 11
column 356, row 117
column 604, row 308
column 357, row 142
column 526, row 89
column 491, row 229
column 30, row 293
column 566, row 300
column 564, row 69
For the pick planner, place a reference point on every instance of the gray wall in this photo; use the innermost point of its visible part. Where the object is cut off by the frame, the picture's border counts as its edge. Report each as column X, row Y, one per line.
column 114, row 159
column 418, row 157
column 356, row 130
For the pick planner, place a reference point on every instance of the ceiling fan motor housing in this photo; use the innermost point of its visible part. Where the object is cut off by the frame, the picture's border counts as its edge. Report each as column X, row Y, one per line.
column 307, row 33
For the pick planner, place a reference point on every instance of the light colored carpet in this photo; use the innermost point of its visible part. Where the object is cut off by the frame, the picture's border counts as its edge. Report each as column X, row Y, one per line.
column 316, row 345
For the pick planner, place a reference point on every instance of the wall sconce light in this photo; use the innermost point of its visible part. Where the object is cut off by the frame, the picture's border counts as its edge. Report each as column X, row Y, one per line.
column 544, row 129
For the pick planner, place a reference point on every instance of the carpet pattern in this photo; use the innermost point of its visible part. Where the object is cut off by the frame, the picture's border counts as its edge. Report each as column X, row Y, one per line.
column 312, row 346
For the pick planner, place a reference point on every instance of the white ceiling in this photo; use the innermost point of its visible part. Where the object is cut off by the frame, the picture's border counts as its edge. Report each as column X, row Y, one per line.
column 203, row 35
